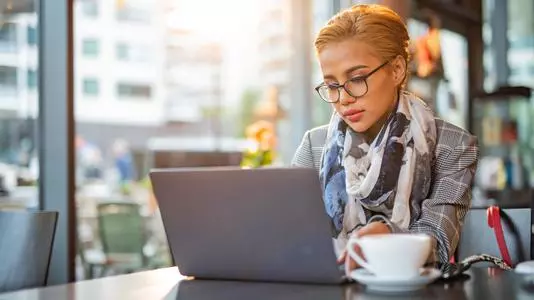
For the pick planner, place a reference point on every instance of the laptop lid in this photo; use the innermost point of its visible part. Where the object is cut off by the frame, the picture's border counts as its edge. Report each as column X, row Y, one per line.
column 247, row 224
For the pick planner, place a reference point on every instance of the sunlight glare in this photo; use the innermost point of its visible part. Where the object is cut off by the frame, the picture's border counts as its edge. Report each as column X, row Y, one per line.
column 217, row 19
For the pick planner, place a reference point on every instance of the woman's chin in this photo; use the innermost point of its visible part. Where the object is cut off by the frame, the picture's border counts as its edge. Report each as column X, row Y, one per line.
column 359, row 127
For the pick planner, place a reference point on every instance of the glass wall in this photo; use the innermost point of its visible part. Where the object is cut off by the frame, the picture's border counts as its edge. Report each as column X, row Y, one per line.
column 520, row 36
column 172, row 83
column 445, row 90
column 19, row 171
column 158, row 85
column 503, row 120
column 447, row 93
column 520, row 54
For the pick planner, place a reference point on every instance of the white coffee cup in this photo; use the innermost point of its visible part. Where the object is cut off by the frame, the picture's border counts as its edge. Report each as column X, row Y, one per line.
column 392, row 256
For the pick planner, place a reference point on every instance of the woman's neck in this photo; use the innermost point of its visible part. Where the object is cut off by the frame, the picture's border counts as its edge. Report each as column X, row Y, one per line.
column 371, row 133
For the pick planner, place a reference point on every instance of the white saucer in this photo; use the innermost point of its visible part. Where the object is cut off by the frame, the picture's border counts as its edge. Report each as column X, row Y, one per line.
column 381, row 284
column 525, row 267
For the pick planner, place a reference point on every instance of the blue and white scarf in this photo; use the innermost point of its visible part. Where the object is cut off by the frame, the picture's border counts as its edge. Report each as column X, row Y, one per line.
column 384, row 177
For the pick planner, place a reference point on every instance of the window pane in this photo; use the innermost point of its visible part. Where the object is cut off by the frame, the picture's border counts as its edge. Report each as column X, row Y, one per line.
column 130, row 12
column 32, row 79
column 90, row 47
column 179, row 82
column 8, row 37
column 122, row 51
column 446, row 93
column 133, row 52
column 90, row 87
column 90, row 7
column 521, row 42
column 134, row 90
column 8, row 77
column 32, row 35
column 19, row 162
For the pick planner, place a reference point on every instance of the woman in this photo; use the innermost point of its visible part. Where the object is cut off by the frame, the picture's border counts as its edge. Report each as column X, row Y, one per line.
column 386, row 164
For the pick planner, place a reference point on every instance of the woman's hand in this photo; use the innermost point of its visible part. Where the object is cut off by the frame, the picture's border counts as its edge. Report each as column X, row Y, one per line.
column 369, row 229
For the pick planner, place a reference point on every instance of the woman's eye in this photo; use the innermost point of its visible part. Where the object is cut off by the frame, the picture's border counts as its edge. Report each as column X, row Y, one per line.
column 357, row 79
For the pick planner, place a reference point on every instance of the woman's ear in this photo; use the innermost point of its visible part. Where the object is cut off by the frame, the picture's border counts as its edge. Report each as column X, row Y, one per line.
column 399, row 70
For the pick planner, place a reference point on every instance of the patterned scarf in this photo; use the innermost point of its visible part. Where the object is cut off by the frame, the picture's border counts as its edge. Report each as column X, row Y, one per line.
column 386, row 177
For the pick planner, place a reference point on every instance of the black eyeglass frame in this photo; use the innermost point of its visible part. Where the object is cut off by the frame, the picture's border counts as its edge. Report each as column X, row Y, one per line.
column 353, row 80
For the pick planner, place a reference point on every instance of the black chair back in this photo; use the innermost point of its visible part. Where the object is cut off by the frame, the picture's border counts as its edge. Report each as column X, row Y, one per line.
column 26, row 240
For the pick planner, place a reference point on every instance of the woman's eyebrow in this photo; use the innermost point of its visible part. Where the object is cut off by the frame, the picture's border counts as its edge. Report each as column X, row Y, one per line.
column 348, row 71
column 358, row 67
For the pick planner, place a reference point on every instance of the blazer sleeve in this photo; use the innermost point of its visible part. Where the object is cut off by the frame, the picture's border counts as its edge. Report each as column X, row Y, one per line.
column 442, row 213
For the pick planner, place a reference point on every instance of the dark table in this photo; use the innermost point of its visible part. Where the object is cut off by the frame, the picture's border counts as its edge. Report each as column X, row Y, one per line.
column 479, row 283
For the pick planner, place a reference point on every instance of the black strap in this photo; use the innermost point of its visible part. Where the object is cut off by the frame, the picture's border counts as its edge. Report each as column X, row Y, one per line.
column 519, row 251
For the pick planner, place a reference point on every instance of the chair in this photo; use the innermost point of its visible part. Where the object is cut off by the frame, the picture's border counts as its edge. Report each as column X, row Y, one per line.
column 478, row 237
column 122, row 232
column 26, row 240
column 90, row 262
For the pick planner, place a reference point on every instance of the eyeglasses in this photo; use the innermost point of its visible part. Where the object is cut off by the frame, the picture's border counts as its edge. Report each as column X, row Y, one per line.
column 355, row 87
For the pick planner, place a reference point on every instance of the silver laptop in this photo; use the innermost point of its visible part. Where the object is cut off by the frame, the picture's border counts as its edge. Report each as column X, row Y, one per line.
column 247, row 224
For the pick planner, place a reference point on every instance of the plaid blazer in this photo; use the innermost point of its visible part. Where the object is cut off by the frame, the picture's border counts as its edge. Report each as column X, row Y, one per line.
column 442, row 213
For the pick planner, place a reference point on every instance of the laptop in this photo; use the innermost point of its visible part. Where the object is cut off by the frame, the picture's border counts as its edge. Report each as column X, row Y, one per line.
column 228, row 223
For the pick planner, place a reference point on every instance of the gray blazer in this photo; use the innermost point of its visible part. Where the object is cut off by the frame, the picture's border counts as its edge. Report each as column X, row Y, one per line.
column 442, row 212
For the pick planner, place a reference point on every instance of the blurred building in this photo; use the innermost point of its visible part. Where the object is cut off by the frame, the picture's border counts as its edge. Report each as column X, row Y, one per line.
column 138, row 74
column 18, row 63
column 280, row 46
column 274, row 47
column 135, row 76
column 193, row 72
column 119, row 63
column 18, row 87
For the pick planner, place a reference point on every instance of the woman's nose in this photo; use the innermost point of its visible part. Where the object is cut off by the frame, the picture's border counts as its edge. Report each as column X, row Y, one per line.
column 345, row 98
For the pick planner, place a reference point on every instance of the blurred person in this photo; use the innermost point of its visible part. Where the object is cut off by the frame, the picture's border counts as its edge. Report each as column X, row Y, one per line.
column 89, row 160
column 429, row 60
column 123, row 163
column 385, row 162
column 428, row 49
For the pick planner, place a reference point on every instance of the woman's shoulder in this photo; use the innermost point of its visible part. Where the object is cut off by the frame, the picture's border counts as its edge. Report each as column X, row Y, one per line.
column 452, row 136
column 317, row 135
column 456, row 148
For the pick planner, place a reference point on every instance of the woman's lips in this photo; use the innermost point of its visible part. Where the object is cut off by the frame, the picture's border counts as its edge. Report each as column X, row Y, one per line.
column 353, row 115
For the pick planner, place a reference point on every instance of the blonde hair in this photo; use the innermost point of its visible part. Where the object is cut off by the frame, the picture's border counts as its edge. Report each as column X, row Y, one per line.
column 374, row 24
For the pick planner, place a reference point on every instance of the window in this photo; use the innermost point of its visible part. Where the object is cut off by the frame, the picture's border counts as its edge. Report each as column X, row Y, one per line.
column 122, row 51
column 32, row 79
column 8, row 37
column 128, row 90
column 8, row 77
column 90, row 47
column 8, row 32
column 32, row 35
column 128, row 52
column 171, row 73
column 130, row 13
column 90, row 8
column 19, row 113
column 91, row 86
column 515, row 71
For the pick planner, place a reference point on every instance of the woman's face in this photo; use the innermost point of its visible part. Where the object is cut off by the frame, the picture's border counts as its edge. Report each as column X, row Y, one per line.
column 349, row 60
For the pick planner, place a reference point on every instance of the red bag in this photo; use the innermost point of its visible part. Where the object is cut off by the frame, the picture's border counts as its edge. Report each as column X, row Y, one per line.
column 495, row 217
